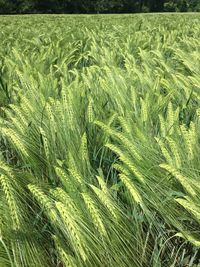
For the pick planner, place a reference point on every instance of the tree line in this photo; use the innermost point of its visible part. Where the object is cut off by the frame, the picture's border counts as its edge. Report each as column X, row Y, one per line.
column 96, row 6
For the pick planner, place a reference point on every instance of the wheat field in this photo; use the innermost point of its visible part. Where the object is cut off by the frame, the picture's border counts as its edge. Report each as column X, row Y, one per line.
column 99, row 141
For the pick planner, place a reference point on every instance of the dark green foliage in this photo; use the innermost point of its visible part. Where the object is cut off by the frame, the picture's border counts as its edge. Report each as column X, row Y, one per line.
column 96, row 6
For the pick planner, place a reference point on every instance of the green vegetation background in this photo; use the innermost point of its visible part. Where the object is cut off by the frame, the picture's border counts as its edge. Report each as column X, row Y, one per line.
column 97, row 6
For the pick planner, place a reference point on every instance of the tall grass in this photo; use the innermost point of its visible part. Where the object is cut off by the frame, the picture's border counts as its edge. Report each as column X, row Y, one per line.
column 99, row 138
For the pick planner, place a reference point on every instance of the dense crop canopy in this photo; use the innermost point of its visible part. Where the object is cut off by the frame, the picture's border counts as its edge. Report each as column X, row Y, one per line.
column 99, row 141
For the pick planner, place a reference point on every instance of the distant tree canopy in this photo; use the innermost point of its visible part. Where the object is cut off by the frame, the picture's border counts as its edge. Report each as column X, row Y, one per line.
column 97, row 6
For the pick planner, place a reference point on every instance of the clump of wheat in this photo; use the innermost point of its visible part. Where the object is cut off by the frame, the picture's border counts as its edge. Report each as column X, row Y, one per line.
column 16, row 140
column 131, row 188
column 63, row 197
column 65, row 179
column 45, row 142
column 102, row 184
column 187, row 136
column 84, row 152
column 170, row 118
column 12, row 205
column 164, row 150
column 125, row 125
column 183, row 180
column 162, row 125
column 51, row 117
column 90, row 110
column 124, row 140
column 144, row 110
column 19, row 114
column 175, row 151
column 73, row 229
column 66, row 258
column 106, row 201
column 125, row 159
column 190, row 206
column 95, row 214
column 121, row 169
column 44, row 200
